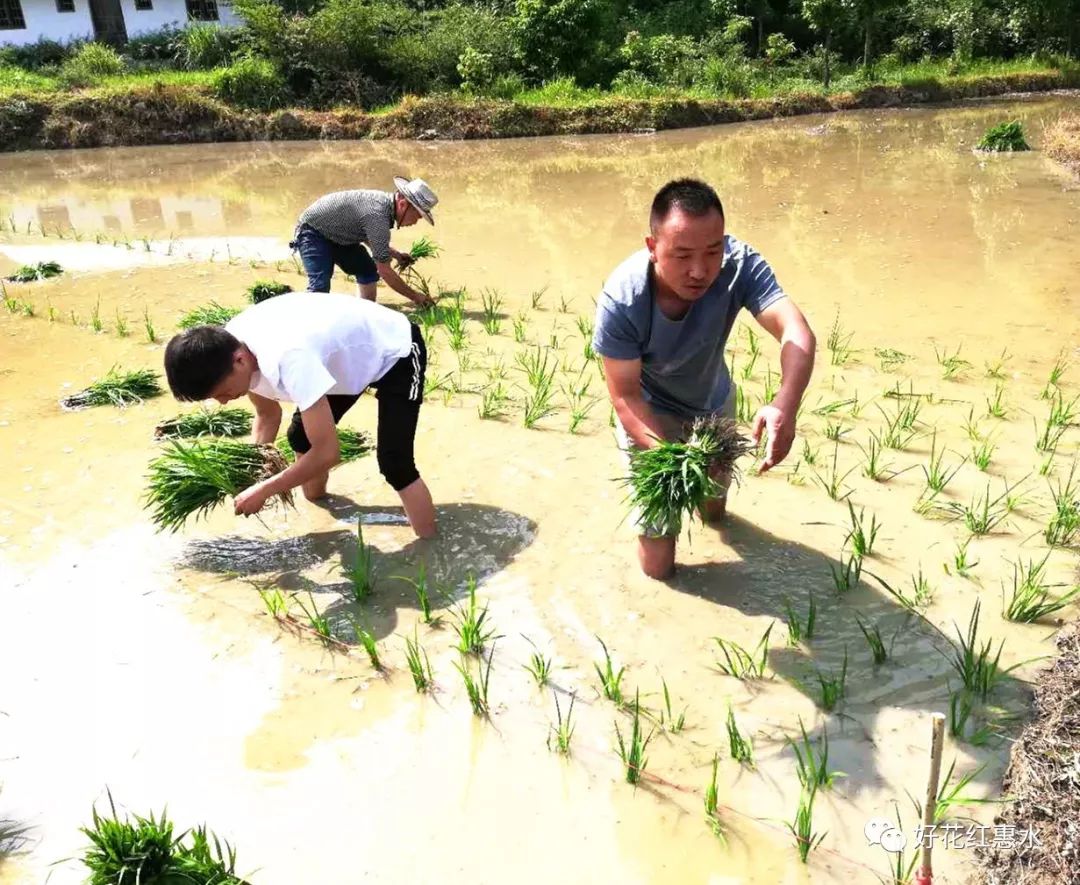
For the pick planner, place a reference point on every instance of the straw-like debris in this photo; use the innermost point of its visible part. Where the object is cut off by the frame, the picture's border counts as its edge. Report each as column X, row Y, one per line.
column 205, row 422
column 117, row 388
column 192, row 478
column 1062, row 141
column 673, row 480
column 1043, row 781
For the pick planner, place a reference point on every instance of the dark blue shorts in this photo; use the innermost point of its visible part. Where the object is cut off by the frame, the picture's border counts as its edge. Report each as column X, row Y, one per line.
column 321, row 255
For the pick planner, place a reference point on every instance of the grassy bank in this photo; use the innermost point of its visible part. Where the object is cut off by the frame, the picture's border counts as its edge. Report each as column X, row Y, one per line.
column 1063, row 141
column 179, row 108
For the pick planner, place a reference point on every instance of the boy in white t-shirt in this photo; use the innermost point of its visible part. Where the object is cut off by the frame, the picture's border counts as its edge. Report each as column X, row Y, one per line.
column 320, row 352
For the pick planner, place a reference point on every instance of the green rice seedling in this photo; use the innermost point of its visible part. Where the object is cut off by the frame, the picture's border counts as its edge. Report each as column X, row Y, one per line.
column 834, row 429
column 1029, row 596
column 564, row 305
column 875, row 467
column 672, row 480
column 799, row 631
column 741, row 748
column 423, row 248
column 960, row 707
column 982, row 455
column 1048, row 439
column 535, row 364
column 1058, row 371
column 802, row 827
column 580, row 402
column 961, row 564
column 470, row 623
column 971, row 426
column 739, row 662
column 263, row 290
column 366, row 639
column 352, row 445
column 145, row 849
column 96, row 322
column 610, row 680
column 419, row 665
column 13, row 837
column 675, row 724
column 861, row 536
column 277, row 604
column 772, row 386
column 951, row 794
column 809, row 455
column 423, row 596
column 899, row 429
column 832, row 482
column 938, row 476
column 632, row 751
column 538, row 666
column 889, row 359
column 148, row 327
column 562, row 733
column 74, row 318
column 50, row 312
column 433, row 383
column 995, row 407
column 491, row 303
column 922, row 592
column 146, row 247
column 28, row 309
column 212, row 314
column 996, row 369
column 192, row 478
column 753, row 341
column 117, row 388
column 977, row 665
column 493, row 402
column 1003, row 137
column 839, row 344
column 847, row 573
column 476, row 687
column 832, row 687
column 538, row 405
column 361, row 571
column 1063, row 529
column 983, row 514
column 536, row 296
column 747, row 370
column 31, row 273
column 585, row 327
column 834, row 407
column 712, row 793
column 12, row 304
column 812, row 762
column 1062, row 414
column 318, row 622
column 952, row 365
column 874, row 640
column 205, row 422
column 520, row 329
column 744, row 411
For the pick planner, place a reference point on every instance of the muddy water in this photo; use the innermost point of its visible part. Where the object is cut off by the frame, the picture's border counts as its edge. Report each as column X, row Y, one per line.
column 142, row 663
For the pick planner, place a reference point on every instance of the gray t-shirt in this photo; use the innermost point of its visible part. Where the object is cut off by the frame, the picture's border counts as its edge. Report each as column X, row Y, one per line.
column 351, row 217
column 682, row 361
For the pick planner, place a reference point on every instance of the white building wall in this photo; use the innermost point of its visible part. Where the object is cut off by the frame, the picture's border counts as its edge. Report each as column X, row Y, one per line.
column 165, row 13
column 42, row 20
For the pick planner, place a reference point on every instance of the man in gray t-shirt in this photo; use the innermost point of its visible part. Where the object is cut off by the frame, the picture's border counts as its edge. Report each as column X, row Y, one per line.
column 662, row 323
column 336, row 228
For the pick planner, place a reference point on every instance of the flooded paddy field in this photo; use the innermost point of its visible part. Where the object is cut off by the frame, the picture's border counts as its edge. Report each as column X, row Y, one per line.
column 943, row 288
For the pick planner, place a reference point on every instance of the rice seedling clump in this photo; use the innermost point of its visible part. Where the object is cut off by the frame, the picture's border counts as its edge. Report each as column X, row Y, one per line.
column 30, row 273
column 212, row 314
column 192, row 478
column 1004, row 137
column 352, row 444
column 117, row 388
column 205, row 422
column 261, row 290
column 674, row 479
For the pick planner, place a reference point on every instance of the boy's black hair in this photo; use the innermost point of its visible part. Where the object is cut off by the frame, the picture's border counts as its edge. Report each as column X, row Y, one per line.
column 197, row 360
column 692, row 196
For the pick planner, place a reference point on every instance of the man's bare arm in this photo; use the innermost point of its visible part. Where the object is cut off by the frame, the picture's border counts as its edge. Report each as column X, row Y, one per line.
column 636, row 416
column 267, row 418
column 390, row 276
column 324, row 452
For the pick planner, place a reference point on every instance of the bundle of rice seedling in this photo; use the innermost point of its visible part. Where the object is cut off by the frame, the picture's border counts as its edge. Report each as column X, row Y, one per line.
column 192, row 478
column 674, row 479
column 353, row 444
column 212, row 314
column 205, row 422
column 261, row 290
column 116, row 389
column 29, row 273
column 423, row 248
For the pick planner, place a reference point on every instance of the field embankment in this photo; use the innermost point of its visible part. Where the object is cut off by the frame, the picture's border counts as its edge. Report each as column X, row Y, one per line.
column 1063, row 141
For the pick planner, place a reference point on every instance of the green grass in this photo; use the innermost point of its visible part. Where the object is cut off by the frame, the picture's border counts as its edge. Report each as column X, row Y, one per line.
column 740, row 663
column 1004, row 137
column 205, row 422
column 632, row 750
column 117, row 388
column 137, row 849
column 212, row 314
column 190, row 478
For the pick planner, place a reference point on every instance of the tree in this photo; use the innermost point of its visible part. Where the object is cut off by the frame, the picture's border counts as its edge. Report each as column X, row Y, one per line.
column 825, row 17
column 866, row 14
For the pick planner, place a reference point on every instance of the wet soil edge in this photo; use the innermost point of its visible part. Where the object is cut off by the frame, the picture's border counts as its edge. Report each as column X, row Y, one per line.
column 1062, row 142
column 161, row 114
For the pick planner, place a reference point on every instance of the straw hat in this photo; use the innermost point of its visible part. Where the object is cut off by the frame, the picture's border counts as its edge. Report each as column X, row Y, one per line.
column 418, row 193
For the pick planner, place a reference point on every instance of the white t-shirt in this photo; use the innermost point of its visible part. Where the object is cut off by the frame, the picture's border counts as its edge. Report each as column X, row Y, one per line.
column 309, row 344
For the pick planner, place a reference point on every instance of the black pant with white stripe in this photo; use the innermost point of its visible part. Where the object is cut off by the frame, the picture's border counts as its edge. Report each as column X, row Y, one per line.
column 400, row 393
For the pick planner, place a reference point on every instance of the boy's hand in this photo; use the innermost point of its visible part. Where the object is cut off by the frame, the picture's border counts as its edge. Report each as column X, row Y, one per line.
column 250, row 501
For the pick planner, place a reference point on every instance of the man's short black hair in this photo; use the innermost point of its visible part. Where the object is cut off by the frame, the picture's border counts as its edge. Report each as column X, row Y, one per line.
column 198, row 360
column 688, row 194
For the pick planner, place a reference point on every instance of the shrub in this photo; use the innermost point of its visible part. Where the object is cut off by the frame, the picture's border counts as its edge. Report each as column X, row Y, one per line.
column 159, row 45
column 91, row 63
column 663, row 58
column 476, row 69
column 36, row 55
column 727, row 76
column 250, row 83
column 575, row 38
column 203, row 45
